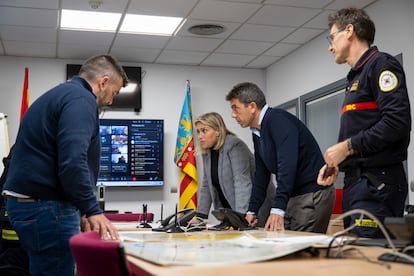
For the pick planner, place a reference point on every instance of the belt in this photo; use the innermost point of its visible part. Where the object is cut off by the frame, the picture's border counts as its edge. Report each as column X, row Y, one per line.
column 20, row 199
column 354, row 174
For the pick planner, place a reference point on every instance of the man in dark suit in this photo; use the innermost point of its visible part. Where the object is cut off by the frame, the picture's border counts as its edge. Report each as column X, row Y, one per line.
column 283, row 146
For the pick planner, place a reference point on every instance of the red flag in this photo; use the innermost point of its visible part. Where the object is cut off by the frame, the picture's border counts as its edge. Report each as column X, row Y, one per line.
column 184, row 156
column 25, row 94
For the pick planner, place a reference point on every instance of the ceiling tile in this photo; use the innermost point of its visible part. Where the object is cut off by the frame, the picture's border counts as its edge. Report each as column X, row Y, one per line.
column 245, row 1
column 302, row 35
column 281, row 49
column 244, row 47
column 339, row 4
column 32, row 49
column 182, row 57
column 179, row 8
column 106, row 6
column 319, row 4
column 19, row 33
column 262, row 62
column 261, row 33
column 223, row 11
column 320, row 21
column 283, row 16
column 32, row 17
column 196, row 44
column 128, row 54
column 88, row 38
column 141, row 41
column 230, row 60
column 39, row 4
column 80, row 51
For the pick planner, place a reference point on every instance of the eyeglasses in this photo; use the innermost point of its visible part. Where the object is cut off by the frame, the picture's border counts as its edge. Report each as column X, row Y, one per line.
column 332, row 35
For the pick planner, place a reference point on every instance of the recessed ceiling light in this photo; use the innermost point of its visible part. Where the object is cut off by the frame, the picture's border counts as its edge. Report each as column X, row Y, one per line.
column 89, row 21
column 148, row 24
column 206, row 29
column 108, row 22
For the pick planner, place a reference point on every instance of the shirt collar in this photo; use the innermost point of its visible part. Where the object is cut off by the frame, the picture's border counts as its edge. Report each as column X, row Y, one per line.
column 256, row 131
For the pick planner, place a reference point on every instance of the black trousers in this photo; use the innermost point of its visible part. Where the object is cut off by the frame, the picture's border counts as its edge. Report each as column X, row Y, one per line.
column 13, row 260
column 380, row 191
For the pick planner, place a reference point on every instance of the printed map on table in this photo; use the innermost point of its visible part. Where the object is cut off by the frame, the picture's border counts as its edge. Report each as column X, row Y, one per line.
column 207, row 248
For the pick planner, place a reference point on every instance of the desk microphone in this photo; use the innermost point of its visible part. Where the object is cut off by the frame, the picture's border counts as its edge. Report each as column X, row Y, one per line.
column 101, row 197
column 144, row 223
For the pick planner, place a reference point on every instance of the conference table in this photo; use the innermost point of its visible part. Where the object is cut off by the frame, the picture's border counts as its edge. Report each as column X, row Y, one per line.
column 358, row 260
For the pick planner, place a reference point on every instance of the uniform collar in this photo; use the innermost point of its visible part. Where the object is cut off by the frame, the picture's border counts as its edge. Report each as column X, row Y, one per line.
column 363, row 60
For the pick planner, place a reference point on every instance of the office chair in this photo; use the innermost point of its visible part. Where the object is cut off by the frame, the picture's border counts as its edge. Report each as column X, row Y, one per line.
column 94, row 256
column 137, row 217
column 338, row 202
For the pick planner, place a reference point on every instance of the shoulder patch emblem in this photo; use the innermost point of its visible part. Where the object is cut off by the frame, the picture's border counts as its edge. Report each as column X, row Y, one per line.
column 388, row 81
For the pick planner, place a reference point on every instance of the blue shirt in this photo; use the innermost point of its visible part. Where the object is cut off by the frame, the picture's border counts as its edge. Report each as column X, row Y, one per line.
column 57, row 151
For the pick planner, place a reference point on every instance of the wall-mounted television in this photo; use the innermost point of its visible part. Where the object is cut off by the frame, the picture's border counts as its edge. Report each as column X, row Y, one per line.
column 129, row 97
column 132, row 152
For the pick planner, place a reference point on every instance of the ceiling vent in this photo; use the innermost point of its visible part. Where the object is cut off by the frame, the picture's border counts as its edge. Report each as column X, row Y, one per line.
column 206, row 29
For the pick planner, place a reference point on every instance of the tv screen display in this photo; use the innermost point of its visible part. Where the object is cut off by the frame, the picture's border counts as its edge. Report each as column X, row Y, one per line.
column 132, row 152
column 129, row 97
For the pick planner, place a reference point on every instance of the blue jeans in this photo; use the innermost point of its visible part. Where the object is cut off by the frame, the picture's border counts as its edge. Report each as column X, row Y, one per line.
column 44, row 229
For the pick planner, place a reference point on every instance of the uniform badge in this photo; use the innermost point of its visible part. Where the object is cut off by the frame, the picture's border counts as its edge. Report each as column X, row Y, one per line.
column 388, row 81
column 354, row 86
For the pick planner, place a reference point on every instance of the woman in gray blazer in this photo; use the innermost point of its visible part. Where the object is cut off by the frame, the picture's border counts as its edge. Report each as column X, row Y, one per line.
column 228, row 169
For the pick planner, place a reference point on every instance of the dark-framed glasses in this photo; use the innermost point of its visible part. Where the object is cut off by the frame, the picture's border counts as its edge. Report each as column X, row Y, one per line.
column 331, row 36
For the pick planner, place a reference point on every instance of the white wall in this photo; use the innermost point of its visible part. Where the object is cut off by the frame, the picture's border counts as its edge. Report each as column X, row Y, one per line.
column 164, row 88
column 312, row 66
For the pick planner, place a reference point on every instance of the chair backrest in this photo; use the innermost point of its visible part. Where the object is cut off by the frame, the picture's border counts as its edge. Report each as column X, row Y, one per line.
column 130, row 217
column 94, row 256
column 338, row 202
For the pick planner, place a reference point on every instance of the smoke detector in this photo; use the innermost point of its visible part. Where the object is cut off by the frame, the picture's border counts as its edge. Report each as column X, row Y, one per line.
column 206, row 29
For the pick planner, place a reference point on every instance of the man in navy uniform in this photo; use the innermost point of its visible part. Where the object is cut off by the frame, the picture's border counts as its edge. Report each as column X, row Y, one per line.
column 375, row 125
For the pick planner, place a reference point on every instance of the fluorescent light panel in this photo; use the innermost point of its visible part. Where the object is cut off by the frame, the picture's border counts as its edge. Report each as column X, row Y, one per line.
column 148, row 24
column 89, row 21
column 108, row 22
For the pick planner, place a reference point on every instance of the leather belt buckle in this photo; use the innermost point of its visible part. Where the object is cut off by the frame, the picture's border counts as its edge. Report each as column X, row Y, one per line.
column 25, row 199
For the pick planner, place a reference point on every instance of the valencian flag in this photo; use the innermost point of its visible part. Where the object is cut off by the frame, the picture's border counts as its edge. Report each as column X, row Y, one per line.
column 184, row 156
column 25, row 94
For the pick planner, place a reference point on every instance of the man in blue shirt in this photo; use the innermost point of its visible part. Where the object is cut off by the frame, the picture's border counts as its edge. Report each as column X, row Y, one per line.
column 283, row 146
column 55, row 164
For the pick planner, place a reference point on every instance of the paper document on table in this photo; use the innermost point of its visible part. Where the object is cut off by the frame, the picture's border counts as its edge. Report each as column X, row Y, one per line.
column 207, row 248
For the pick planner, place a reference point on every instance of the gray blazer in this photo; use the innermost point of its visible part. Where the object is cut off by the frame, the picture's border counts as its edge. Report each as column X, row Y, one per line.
column 235, row 171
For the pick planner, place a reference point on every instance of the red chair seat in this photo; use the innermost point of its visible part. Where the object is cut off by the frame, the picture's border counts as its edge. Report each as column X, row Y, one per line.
column 338, row 202
column 94, row 256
